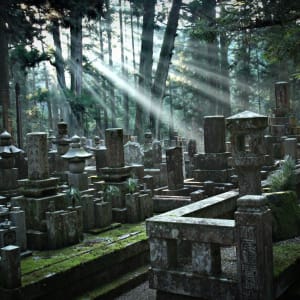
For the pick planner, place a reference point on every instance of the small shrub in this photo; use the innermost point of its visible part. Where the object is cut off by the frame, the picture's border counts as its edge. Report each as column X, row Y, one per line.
column 73, row 196
column 110, row 192
column 284, row 178
column 132, row 185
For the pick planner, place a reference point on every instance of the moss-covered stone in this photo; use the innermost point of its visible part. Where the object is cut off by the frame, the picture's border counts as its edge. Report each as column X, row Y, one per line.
column 45, row 263
column 285, row 215
column 284, row 256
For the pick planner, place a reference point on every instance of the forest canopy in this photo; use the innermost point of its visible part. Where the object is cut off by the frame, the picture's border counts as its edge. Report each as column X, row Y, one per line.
column 143, row 64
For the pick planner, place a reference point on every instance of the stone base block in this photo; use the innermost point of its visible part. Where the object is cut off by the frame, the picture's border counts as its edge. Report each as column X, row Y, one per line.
column 146, row 206
column 103, row 214
column 278, row 130
column 87, row 204
column 213, row 175
column 211, row 161
column 37, row 240
column 155, row 173
column 79, row 181
column 36, row 208
column 38, row 188
column 119, row 215
column 115, row 174
column 8, row 236
column 62, row 229
column 133, row 207
column 138, row 171
column 8, row 179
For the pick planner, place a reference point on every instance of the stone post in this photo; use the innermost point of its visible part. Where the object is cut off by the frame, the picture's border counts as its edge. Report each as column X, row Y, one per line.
column 254, row 248
column 17, row 217
column 114, row 145
column 37, row 149
column 214, row 134
column 174, row 168
column 10, row 268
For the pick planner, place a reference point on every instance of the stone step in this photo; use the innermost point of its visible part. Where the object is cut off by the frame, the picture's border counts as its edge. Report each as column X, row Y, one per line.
column 120, row 285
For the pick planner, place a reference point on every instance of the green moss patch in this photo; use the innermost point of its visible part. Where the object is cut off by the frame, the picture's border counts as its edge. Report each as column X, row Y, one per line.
column 285, row 215
column 285, row 255
column 43, row 264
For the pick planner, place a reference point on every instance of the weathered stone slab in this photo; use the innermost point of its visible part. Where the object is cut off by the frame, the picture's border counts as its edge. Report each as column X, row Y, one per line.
column 193, row 285
column 206, row 230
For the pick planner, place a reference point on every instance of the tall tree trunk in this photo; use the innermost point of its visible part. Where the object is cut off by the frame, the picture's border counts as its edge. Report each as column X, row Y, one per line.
column 104, row 82
column 59, row 62
column 159, row 84
column 132, row 37
column 110, row 62
column 146, row 62
column 225, row 81
column 124, row 72
column 76, row 51
column 4, row 77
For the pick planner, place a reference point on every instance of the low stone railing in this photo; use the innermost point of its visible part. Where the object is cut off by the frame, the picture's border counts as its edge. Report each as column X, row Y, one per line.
column 186, row 243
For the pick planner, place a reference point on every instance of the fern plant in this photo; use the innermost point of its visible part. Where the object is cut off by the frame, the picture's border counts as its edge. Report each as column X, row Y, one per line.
column 284, row 178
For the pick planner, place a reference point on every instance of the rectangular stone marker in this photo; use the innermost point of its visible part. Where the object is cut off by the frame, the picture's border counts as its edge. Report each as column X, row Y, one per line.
column 114, row 145
column 37, row 153
column 17, row 217
column 214, row 134
column 10, row 268
column 174, row 168
column 103, row 214
column 133, row 208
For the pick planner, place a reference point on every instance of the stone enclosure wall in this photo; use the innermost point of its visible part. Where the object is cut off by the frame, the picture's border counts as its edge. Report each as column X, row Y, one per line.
column 186, row 247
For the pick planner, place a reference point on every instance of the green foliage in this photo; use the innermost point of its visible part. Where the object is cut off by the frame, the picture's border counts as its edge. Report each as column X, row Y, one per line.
column 284, row 178
column 73, row 196
column 110, row 192
column 27, row 58
column 285, row 215
column 285, row 255
column 132, row 184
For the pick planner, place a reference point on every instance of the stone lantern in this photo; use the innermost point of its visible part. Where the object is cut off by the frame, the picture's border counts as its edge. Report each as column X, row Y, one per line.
column 247, row 141
column 76, row 157
column 8, row 174
column 8, row 151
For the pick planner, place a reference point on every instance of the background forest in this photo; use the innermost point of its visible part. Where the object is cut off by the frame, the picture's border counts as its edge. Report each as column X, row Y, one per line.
column 143, row 64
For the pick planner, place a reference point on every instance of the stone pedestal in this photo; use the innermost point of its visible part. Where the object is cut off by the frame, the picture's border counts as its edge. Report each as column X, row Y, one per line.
column 79, row 180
